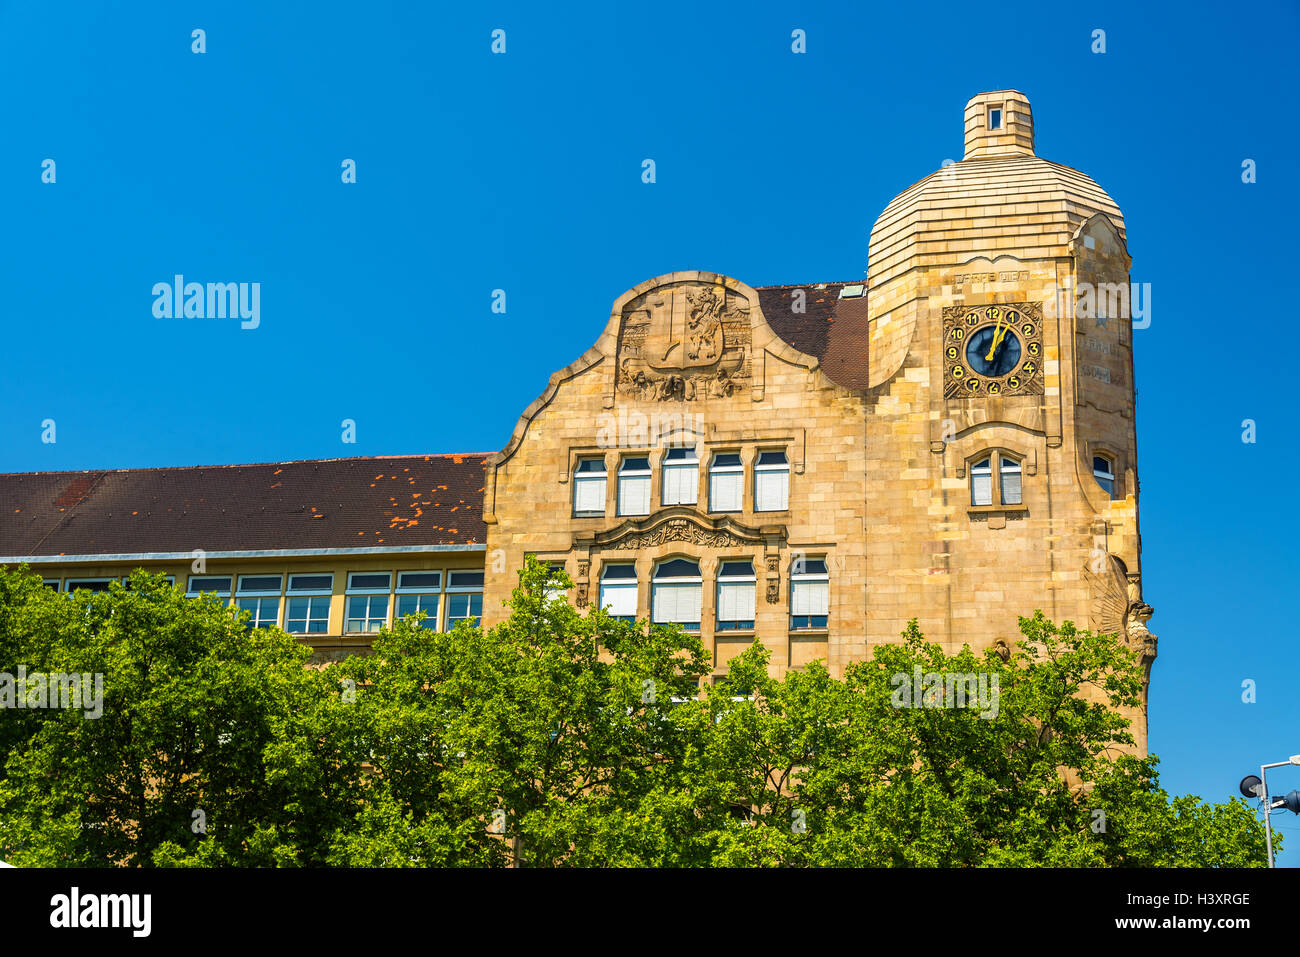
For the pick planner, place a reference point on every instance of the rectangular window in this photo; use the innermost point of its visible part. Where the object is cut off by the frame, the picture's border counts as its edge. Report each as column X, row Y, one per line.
column 51, row 583
column 307, row 608
column 412, row 582
column 726, row 483
column 414, row 604
column 367, row 602
column 681, row 477
column 366, row 614
column 736, row 584
column 259, row 595
column 218, row 585
column 618, row 591
column 771, row 482
column 308, row 615
column 589, row 488
column 467, row 602
column 311, row 584
column 1010, row 479
column 634, row 487
column 995, row 118
column 260, row 584
column 557, row 591
column 810, row 594
column 262, row 612
column 88, row 584
column 981, row 483
column 467, row 608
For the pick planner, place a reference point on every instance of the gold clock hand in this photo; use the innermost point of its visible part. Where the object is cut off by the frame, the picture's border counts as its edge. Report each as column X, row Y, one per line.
column 998, row 333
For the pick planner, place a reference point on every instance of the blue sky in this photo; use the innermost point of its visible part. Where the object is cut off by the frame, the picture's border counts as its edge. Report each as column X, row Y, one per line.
column 522, row 172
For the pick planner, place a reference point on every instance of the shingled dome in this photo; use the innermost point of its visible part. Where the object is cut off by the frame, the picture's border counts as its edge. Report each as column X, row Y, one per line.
column 1000, row 198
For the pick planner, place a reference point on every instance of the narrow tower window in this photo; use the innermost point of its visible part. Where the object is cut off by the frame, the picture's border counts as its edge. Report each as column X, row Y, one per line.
column 1103, row 470
column 995, row 118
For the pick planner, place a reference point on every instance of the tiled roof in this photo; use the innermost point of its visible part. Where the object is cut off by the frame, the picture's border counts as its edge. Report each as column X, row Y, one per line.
column 832, row 329
column 390, row 501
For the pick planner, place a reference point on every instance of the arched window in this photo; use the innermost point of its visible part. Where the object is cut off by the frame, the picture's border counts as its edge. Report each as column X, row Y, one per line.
column 676, row 593
column 981, row 482
column 1103, row 470
column 810, row 593
column 618, row 591
column 995, row 478
column 736, row 584
column 1009, row 478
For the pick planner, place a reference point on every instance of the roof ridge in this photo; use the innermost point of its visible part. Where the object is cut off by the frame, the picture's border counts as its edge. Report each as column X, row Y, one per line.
column 249, row 465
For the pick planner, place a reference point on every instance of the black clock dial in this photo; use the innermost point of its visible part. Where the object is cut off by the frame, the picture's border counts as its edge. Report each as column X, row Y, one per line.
column 989, row 360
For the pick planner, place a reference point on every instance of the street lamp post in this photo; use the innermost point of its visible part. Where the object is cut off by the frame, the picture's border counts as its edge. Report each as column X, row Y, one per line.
column 1257, row 787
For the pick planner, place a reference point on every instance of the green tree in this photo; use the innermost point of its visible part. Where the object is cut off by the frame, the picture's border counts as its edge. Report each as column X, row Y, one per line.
column 208, row 749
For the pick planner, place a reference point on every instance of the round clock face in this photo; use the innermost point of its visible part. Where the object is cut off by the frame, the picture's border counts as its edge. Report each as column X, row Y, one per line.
column 993, row 351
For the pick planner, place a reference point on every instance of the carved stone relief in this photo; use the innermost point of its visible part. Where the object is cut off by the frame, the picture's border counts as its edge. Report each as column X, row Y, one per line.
column 684, row 342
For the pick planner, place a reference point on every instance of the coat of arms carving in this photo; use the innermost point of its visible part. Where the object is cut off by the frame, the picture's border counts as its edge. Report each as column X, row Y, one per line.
column 683, row 342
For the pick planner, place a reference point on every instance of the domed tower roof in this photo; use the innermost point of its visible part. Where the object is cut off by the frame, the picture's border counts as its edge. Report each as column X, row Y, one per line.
column 1000, row 199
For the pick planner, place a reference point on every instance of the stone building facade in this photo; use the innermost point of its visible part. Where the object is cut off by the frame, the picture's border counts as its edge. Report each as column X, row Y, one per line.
column 959, row 447
column 812, row 466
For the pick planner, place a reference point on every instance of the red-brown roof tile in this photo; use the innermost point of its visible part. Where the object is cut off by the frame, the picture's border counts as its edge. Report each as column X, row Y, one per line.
column 330, row 503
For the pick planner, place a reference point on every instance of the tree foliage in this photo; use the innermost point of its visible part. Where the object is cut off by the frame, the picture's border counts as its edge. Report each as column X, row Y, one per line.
column 563, row 739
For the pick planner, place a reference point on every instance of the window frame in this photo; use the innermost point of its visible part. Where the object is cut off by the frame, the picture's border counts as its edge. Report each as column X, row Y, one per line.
column 226, row 594
column 620, row 583
column 629, row 475
column 809, row 577
column 695, row 581
column 716, row 470
column 455, row 591
column 724, row 578
column 368, row 593
column 996, row 457
column 1112, row 466
column 687, row 461
column 589, row 479
column 781, row 468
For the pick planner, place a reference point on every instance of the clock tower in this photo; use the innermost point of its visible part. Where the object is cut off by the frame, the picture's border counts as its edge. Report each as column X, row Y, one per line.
column 1001, row 384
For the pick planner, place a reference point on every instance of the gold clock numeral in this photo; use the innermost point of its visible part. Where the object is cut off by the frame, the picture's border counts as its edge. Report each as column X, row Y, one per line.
column 972, row 383
column 1012, row 317
column 995, row 388
column 953, row 352
column 972, row 318
column 993, row 312
column 1029, row 368
column 958, row 372
column 957, row 334
column 1013, row 382
column 1032, row 348
column 1027, row 328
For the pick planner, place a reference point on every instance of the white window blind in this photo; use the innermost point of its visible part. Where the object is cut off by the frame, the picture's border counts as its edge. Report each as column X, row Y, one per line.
column 1010, row 482
column 677, row 602
column 726, row 484
column 771, row 482
column 810, row 597
column 981, row 483
column 735, row 601
column 619, row 598
column 681, row 477
column 589, row 487
column 634, row 487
